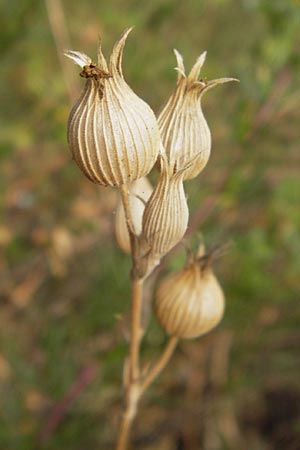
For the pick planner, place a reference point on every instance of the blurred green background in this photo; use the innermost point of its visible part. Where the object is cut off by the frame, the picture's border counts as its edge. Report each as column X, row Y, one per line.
column 63, row 282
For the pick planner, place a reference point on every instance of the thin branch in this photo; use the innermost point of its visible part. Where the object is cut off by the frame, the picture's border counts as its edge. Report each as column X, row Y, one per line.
column 59, row 411
column 132, row 385
column 128, row 417
column 137, row 291
column 128, row 217
column 161, row 363
column 60, row 34
column 133, row 388
column 269, row 106
column 136, row 308
column 124, row 433
column 126, row 205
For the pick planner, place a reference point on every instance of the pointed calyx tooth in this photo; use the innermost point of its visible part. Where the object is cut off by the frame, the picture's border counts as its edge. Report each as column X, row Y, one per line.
column 140, row 191
column 112, row 133
column 166, row 214
column 190, row 302
column 79, row 58
column 184, row 131
column 195, row 71
column 180, row 64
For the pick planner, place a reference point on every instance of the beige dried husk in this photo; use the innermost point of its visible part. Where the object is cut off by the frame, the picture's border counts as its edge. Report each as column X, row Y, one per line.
column 112, row 133
column 166, row 215
column 190, row 302
column 184, row 130
column 140, row 191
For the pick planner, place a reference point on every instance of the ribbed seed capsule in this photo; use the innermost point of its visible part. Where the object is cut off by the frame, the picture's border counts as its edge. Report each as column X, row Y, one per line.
column 190, row 302
column 166, row 214
column 112, row 133
column 184, row 130
column 140, row 191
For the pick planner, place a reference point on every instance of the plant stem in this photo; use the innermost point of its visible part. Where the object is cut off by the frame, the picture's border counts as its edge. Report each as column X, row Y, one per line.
column 133, row 385
column 137, row 293
column 133, row 388
column 125, row 200
column 126, row 205
column 136, row 307
column 160, row 364
column 124, row 433
column 128, row 416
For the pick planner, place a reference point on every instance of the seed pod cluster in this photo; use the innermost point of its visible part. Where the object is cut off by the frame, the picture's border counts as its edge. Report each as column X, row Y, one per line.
column 190, row 302
column 115, row 140
column 140, row 191
column 112, row 133
column 184, row 130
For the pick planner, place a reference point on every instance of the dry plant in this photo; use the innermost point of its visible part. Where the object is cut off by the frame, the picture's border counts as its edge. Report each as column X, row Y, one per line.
column 115, row 139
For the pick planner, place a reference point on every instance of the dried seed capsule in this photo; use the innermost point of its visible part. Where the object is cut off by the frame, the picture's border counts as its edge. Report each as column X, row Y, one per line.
column 190, row 302
column 112, row 133
column 140, row 191
column 166, row 214
column 184, row 130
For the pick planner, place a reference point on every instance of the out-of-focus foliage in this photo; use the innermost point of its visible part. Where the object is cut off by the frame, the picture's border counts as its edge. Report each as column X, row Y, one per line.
column 64, row 284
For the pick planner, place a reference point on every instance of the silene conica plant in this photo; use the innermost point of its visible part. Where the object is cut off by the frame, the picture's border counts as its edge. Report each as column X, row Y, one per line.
column 115, row 139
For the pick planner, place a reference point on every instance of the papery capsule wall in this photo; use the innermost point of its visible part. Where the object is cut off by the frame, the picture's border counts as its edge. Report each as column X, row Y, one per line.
column 112, row 133
column 189, row 303
column 184, row 131
column 166, row 214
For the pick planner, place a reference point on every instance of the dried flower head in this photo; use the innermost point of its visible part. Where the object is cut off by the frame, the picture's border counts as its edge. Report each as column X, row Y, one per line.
column 112, row 133
column 184, row 130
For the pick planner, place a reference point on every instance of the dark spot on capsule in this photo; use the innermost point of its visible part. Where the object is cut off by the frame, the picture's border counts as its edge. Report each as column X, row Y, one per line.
column 93, row 71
